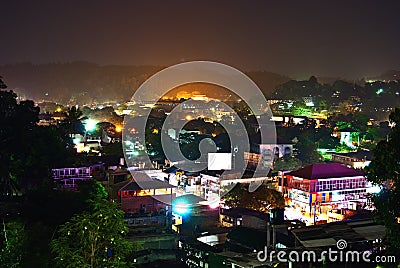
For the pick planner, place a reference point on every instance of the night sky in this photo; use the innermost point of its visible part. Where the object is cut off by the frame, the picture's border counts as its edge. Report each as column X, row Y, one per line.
column 298, row 38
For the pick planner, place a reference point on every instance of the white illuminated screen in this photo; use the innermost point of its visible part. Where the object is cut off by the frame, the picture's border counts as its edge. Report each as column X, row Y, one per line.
column 219, row 161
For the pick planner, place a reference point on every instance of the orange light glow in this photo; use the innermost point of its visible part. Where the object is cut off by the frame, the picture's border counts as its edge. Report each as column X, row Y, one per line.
column 118, row 128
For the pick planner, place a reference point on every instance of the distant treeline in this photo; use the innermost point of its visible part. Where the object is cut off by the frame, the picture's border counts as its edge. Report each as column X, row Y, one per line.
column 375, row 98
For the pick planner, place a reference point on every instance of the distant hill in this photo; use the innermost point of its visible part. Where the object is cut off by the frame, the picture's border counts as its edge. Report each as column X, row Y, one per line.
column 85, row 82
column 330, row 80
column 79, row 82
column 391, row 75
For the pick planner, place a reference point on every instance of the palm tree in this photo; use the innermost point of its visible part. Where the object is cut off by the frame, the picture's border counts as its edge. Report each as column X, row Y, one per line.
column 73, row 120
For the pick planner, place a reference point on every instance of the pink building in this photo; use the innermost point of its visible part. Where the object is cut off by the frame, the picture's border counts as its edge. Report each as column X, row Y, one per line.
column 329, row 186
column 144, row 194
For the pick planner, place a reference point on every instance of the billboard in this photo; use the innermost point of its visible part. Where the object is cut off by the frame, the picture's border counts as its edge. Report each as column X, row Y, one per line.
column 219, row 161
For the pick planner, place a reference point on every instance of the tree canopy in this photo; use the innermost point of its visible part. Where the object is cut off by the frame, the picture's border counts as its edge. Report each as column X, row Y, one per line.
column 74, row 121
column 13, row 239
column 28, row 151
column 384, row 170
column 95, row 237
column 307, row 152
column 287, row 163
column 263, row 199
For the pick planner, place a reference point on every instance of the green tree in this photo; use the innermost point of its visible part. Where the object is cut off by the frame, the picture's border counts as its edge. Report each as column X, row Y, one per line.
column 28, row 152
column 287, row 163
column 93, row 239
column 45, row 209
column 300, row 109
column 322, row 105
column 18, row 125
column 263, row 199
column 13, row 239
column 342, row 148
column 384, row 170
column 2, row 84
column 328, row 142
column 307, row 152
column 114, row 148
column 360, row 122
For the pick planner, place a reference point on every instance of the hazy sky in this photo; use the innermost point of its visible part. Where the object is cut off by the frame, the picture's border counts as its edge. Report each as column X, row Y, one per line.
column 299, row 38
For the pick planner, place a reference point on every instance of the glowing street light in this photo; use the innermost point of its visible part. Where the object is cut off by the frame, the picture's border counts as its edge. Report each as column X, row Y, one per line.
column 181, row 208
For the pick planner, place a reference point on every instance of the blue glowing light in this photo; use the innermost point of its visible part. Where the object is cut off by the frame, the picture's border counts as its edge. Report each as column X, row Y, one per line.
column 181, row 208
column 90, row 125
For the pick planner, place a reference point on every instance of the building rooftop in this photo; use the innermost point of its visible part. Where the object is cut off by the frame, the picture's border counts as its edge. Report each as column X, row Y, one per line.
column 239, row 212
column 328, row 234
column 119, row 171
column 245, row 260
column 249, row 238
column 324, row 171
column 360, row 155
column 142, row 181
column 174, row 169
column 190, row 200
column 194, row 243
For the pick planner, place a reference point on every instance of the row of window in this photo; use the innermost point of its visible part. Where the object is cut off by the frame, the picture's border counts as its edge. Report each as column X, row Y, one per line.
column 360, row 191
column 328, row 185
column 338, row 184
column 71, row 172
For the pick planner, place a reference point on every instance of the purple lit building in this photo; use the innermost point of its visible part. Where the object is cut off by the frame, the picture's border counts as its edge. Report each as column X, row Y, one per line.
column 328, row 186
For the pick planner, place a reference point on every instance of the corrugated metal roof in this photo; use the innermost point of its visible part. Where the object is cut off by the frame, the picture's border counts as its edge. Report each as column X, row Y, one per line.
column 141, row 181
column 189, row 199
column 329, row 234
column 324, row 242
